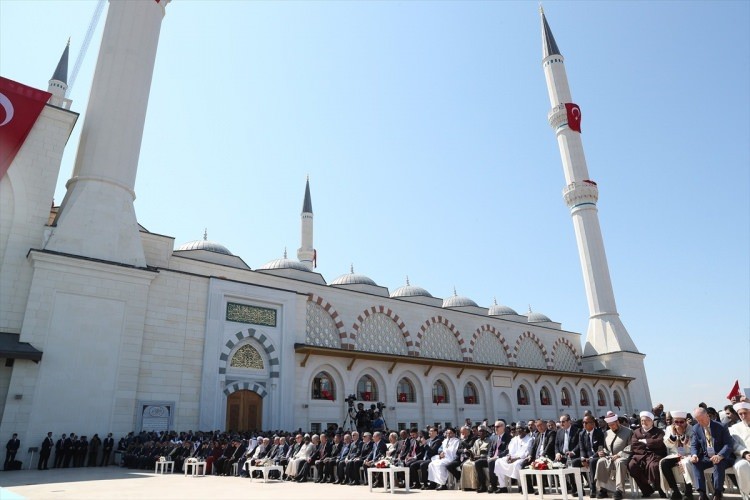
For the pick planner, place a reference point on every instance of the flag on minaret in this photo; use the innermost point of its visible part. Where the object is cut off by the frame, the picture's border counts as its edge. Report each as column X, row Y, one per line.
column 735, row 391
column 574, row 116
column 20, row 107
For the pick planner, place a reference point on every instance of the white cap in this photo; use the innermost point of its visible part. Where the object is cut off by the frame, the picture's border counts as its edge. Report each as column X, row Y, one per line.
column 680, row 413
column 611, row 417
column 741, row 406
column 647, row 414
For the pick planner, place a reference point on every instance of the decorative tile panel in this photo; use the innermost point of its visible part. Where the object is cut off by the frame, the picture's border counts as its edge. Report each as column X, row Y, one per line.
column 488, row 349
column 247, row 357
column 320, row 329
column 243, row 313
column 378, row 333
column 440, row 343
column 565, row 359
column 530, row 355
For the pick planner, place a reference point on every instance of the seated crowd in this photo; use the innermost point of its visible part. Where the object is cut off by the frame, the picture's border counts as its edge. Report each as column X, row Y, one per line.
column 661, row 452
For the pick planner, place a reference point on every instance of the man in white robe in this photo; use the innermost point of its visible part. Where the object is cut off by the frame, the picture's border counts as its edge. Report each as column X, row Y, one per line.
column 519, row 451
column 740, row 433
column 437, row 470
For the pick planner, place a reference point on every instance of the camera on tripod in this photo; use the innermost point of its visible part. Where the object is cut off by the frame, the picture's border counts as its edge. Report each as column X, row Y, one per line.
column 381, row 407
column 350, row 399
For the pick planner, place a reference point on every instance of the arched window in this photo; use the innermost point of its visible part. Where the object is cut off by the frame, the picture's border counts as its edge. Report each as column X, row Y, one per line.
column 522, row 395
column 600, row 398
column 471, row 396
column 618, row 400
column 405, row 391
column 367, row 389
column 565, row 397
column 439, row 392
column 584, row 398
column 323, row 387
column 544, row 397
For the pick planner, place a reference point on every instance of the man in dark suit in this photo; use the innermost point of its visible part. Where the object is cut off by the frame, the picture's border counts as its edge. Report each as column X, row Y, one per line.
column 343, row 467
column 430, row 448
column 340, row 461
column 354, row 466
column 45, row 452
column 590, row 439
column 59, row 453
column 566, row 446
column 107, row 446
column 378, row 452
column 498, row 448
column 11, row 448
column 711, row 446
column 543, row 446
column 324, row 466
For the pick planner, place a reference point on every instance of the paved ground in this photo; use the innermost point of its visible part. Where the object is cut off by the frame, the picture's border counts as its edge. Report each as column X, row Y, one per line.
column 118, row 483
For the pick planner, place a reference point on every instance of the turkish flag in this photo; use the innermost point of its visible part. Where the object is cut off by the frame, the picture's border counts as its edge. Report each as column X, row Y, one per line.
column 20, row 106
column 574, row 116
column 735, row 391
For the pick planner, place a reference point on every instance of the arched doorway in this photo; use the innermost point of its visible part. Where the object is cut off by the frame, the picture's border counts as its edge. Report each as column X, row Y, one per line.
column 244, row 411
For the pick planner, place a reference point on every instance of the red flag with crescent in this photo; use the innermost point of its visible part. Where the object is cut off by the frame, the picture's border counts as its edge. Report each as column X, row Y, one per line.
column 20, row 106
column 574, row 116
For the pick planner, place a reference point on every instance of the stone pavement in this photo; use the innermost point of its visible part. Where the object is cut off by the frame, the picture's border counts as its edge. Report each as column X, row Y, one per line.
column 118, row 483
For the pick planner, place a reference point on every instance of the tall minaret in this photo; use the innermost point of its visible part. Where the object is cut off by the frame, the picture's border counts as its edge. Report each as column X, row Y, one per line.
column 58, row 84
column 306, row 251
column 97, row 218
column 606, row 333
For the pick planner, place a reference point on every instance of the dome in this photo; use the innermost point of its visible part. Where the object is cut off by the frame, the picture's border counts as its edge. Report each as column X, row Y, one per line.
column 353, row 279
column 209, row 246
column 500, row 310
column 409, row 290
column 284, row 263
column 458, row 301
column 535, row 317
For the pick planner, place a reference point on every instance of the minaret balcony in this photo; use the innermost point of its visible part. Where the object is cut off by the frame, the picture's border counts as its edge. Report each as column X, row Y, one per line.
column 558, row 116
column 580, row 193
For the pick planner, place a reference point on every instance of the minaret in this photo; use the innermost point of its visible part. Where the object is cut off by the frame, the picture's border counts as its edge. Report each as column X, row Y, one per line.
column 58, row 84
column 606, row 333
column 306, row 251
column 97, row 218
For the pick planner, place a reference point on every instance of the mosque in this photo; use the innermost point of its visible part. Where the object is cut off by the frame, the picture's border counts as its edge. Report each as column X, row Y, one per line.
column 107, row 327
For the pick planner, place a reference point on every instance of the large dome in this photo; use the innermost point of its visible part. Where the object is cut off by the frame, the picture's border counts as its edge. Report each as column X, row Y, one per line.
column 500, row 310
column 353, row 279
column 284, row 263
column 410, row 290
column 209, row 246
column 458, row 301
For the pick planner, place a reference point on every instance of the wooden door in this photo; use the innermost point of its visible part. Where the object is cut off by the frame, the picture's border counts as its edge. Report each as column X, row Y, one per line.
column 244, row 411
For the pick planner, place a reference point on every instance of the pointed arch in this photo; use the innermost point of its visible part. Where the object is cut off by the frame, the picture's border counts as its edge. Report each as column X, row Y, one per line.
column 371, row 313
column 529, row 337
column 246, row 386
column 499, row 336
column 265, row 342
column 439, row 320
column 333, row 313
column 561, row 357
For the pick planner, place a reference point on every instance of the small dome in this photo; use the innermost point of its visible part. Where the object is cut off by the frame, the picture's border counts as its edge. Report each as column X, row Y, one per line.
column 353, row 279
column 458, row 301
column 284, row 263
column 209, row 246
column 500, row 310
column 535, row 317
column 409, row 290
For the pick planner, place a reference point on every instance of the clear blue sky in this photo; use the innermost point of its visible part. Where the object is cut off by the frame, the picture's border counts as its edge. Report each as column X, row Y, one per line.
column 423, row 127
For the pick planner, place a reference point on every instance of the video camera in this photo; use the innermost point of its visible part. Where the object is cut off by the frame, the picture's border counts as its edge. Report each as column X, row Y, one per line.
column 350, row 399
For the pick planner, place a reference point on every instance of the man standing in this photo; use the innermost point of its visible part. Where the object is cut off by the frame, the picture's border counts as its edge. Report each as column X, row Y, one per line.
column 712, row 446
column 107, row 447
column 615, row 457
column 59, row 452
column 11, row 448
column 740, row 432
column 45, row 453
column 646, row 450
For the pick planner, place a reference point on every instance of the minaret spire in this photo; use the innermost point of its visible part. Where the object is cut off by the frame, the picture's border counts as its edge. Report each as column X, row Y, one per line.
column 306, row 253
column 606, row 333
column 58, row 84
